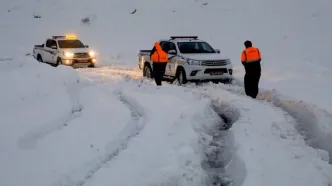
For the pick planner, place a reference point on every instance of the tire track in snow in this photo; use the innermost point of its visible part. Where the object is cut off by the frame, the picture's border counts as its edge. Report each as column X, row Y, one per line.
column 221, row 150
column 313, row 123
column 30, row 139
column 134, row 126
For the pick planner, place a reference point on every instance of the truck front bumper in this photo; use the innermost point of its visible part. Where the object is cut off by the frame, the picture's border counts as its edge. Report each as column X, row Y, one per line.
column 79, row 62
column 209, row 72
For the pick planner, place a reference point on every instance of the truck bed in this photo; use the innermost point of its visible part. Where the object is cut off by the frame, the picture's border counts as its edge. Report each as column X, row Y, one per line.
column 39, row 46
column 144, row 52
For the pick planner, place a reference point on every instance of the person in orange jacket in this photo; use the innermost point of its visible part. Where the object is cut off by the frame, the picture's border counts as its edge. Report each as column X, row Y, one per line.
column 251, row 59
column 159, row 59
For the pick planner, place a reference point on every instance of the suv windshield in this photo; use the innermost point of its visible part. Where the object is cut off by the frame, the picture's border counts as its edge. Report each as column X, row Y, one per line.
column 195, row 47
column 70, row 44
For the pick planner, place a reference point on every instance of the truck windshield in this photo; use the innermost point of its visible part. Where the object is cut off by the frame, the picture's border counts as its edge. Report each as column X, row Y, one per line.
column 70, row 44
column 195, row 47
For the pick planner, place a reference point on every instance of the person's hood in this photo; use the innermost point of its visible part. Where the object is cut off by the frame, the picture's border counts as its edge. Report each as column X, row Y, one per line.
column 157, row 45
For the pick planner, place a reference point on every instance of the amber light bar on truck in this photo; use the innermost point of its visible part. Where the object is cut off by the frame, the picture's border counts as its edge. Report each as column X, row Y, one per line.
column 69, row 36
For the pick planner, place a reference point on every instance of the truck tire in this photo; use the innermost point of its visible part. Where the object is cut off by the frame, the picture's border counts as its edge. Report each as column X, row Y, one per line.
column 39, row 58
column 147, row 71
column 58, row 62
column 181, row 76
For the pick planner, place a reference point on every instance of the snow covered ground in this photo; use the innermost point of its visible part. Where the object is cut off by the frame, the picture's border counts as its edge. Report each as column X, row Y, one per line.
column 108, row 126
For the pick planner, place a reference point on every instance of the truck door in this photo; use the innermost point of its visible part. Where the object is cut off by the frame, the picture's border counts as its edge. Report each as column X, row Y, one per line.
column 50, row 51
column 167, row 47
column 172, row 59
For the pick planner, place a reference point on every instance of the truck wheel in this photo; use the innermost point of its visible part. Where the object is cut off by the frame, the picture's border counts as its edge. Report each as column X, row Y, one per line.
column 39, row 58
column 181, row 76
column 58, row 62
column 147, row 71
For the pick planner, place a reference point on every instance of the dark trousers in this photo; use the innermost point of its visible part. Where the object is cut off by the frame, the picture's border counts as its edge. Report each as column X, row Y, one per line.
column 158, row 72
column 251, row 82
column 251, row 79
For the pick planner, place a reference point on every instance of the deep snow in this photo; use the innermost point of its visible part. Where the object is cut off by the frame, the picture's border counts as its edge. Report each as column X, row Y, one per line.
column 109, row 126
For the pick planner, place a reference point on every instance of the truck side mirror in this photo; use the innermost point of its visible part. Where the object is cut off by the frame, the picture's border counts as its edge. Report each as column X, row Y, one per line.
column 53, row 47
column 217, row 50
column 86, row 46
column 172, row 52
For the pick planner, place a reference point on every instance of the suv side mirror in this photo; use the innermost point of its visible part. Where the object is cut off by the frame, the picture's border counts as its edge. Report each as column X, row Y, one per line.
column 86, row 46
column 53, row 47
column 172, row 52
column 217, row 50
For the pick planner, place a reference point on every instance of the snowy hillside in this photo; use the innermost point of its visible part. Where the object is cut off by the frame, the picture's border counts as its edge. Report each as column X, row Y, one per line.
column 110, row 126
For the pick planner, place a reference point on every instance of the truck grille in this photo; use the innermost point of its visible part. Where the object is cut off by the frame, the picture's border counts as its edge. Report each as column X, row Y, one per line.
column 214, row 63
column 81, row 55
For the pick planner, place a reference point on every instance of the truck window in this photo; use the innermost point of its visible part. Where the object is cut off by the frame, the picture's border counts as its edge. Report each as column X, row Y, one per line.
column 70, row 44
column 50, row 43
column 195, row 47
column 167, row 46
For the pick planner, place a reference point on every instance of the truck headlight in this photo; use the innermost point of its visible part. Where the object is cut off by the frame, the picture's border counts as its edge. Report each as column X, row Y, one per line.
column 194, row 62
column 92, row 54
column 228, row 61
column 69, row 54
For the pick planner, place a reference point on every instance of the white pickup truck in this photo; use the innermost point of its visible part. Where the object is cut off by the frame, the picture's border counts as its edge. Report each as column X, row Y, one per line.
column 190, row 59
column 65, row 50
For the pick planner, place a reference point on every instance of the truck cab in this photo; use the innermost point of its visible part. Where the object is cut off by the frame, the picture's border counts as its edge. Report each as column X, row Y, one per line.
column 190, row 59
column 65, row 50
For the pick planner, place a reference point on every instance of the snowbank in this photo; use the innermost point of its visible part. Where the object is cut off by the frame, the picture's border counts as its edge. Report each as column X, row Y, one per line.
column 51, row 123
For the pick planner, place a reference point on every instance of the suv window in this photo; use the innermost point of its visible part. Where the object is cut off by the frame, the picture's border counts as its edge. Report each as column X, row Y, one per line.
column 167, row 46
column 50, row 43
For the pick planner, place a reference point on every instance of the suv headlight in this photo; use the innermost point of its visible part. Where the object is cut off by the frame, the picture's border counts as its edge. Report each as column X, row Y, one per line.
column 194, row 62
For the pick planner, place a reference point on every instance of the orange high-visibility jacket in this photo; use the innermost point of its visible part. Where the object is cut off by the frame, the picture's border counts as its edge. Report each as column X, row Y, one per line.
column 251, row 54
column 159, row 55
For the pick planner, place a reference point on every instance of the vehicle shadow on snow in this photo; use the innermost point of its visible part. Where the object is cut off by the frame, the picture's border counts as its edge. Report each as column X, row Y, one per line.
column 218, row 146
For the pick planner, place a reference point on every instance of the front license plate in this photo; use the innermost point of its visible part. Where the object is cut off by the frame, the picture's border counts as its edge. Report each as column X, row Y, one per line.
column 215, row 73
column 82, row 60
column 81, row 64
